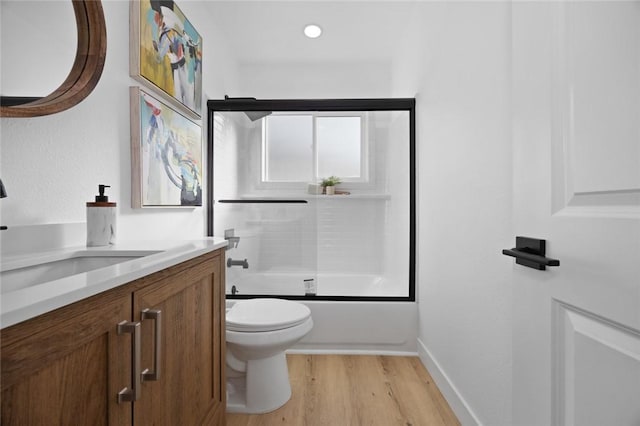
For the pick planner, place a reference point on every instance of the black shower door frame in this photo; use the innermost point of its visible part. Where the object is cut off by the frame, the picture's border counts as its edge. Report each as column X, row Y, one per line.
column 324, row 105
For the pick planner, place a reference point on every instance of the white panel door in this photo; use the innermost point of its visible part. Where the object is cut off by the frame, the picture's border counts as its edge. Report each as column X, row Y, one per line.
column 576, row 136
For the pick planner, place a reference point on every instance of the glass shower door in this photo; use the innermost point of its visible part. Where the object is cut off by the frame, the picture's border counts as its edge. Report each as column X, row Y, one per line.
column 298, row 239
column 272, row 246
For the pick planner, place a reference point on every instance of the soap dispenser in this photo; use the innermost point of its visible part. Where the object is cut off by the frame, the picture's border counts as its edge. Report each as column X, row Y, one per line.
column 101, row 220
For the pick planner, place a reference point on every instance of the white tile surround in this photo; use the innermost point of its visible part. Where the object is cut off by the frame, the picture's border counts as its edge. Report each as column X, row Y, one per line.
column 350, row 236
column 324, row 235
column 365, row 232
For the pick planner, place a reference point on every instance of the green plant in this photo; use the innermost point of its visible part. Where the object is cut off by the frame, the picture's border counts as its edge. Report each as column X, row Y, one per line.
column 331, row 181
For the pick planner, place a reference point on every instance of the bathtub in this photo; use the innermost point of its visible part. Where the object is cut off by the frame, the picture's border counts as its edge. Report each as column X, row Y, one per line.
column 292, row 284
column 342, row 326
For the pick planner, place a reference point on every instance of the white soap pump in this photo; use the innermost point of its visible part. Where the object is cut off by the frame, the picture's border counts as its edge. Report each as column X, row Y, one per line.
column 101, row 220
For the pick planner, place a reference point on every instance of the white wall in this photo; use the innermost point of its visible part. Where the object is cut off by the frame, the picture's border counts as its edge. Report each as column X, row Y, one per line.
column 17, row 18
column 314, row 80
column 456, row 60
column 51, row 166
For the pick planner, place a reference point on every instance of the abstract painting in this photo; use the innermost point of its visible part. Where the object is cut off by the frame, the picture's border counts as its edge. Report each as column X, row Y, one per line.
column 166, row 155
column 166, row 52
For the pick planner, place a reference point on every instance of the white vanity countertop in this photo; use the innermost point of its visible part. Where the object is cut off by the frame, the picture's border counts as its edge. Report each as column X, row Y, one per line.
column 20, row 305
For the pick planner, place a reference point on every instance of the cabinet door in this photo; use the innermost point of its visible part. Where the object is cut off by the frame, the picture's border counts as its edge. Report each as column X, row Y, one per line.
column 67, row 367
column 190, row 386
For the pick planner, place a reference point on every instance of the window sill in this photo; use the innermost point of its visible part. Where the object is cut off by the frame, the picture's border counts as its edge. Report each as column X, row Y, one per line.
column 299, row 196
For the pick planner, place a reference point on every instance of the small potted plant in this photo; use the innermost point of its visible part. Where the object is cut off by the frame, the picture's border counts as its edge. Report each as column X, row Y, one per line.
column 329, row 184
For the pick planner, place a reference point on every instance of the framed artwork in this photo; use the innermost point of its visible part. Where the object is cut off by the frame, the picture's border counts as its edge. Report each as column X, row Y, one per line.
column 166, row 52
column 166, row 154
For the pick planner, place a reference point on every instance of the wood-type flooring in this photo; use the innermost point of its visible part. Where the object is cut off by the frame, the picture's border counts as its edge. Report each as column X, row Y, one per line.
column 354, row 390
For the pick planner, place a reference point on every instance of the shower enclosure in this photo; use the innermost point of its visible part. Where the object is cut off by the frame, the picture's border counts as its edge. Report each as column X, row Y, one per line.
column 287, row 236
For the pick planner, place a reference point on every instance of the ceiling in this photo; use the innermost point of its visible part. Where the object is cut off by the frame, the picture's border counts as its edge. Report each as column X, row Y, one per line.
column 353, row 31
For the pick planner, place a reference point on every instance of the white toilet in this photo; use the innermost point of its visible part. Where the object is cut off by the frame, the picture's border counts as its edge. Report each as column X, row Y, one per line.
column 258, row 333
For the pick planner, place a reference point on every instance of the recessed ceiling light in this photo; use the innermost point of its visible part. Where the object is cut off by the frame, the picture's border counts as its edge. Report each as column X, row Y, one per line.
column 312, row 31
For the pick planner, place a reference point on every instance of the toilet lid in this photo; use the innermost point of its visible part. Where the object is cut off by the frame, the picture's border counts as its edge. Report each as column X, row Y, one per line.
column 266, row 315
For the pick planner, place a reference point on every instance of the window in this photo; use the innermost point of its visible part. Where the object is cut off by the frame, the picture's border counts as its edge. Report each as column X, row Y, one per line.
column 287, row 148
column 339, row 147
column 309, row 147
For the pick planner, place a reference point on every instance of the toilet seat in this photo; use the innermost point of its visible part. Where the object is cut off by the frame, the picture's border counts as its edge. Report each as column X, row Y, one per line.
column 259, row 315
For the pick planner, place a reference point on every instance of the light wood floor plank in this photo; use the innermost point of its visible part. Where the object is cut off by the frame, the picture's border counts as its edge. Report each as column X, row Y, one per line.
column 412, row 390
column 350, row 390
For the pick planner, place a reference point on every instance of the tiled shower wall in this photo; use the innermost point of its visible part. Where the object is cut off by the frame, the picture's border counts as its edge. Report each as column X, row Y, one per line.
column 362, row 233
column 351, row 235
column 325, row 235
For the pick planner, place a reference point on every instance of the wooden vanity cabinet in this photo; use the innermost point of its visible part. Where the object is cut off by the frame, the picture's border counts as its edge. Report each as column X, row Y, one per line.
column 190, row 389
column 67, row 367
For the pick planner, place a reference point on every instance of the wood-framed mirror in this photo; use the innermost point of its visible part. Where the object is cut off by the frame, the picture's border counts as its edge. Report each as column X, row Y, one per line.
column 85, row 72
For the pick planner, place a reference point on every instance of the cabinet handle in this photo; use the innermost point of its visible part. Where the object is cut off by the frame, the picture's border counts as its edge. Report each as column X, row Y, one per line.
column 133, row 394
column 155, row 315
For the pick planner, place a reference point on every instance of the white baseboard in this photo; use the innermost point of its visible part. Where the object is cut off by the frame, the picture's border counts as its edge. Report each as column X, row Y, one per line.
column 349, row 352
column 457, row 403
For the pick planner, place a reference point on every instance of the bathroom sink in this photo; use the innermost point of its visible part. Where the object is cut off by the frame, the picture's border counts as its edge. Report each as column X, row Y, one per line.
column 41, row 270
